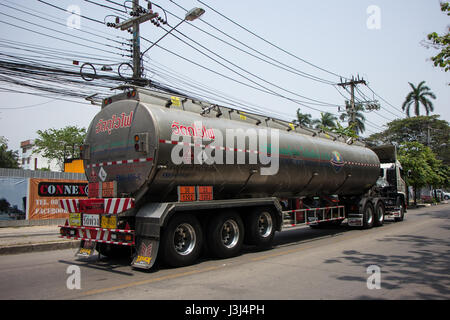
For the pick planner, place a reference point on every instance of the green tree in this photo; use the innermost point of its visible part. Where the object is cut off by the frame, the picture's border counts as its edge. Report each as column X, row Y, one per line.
column 422, row 165
column 442, row 43
column 51, row 142
column 348, row 131
column 304, row 119
column 419, row 96
column 427, row 130
column 326, row 122
column 8, row 158
column 359, row 126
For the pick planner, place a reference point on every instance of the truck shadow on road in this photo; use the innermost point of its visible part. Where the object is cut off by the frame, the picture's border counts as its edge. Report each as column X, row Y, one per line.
column 285, row 239
column 307, row 234
column 113, row 265
column 425, row 266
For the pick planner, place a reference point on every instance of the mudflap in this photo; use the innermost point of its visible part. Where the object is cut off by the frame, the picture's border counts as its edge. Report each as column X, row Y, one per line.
column 146, row 253
column 86, row 250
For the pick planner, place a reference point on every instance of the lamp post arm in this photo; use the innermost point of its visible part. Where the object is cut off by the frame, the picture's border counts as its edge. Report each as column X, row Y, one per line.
column 154, row 43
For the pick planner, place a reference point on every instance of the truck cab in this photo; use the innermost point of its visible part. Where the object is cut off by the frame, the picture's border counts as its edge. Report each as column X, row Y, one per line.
column 390, row 183
column 390, row 178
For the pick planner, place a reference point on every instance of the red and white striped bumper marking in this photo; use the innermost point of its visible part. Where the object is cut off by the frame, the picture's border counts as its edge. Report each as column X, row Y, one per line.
column 119, row 162
column 97, row 234
column 118, row 205
column 101, row 241
column 69, row 205
column 111, row 205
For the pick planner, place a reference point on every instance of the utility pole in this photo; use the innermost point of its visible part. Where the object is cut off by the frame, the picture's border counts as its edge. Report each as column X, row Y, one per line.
column 137, row 72
column 141, row 15
column 138, row 18
column 353, row 83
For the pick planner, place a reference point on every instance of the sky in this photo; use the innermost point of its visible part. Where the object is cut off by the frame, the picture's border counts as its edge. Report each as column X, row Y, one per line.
column 381, row 41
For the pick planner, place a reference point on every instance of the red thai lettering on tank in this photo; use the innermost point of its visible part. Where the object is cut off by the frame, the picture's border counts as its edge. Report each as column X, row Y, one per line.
column 115, row 122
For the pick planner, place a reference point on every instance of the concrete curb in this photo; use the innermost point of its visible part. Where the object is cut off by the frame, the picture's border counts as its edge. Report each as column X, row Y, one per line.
column 31, row 223
column 39, row 247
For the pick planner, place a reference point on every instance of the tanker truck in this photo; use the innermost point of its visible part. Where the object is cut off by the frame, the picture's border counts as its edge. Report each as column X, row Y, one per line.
column 171, row 176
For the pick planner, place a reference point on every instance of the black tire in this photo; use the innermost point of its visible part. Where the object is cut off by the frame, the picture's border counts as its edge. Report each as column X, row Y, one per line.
column 260, row 227
column 225, row 234
column 181, row 241
column 400, row 204
column 368, row 215
column 379, row 214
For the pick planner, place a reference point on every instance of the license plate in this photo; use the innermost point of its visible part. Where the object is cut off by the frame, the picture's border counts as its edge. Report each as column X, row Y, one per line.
column 91, row 220
column 75, row 219
column 109, row 222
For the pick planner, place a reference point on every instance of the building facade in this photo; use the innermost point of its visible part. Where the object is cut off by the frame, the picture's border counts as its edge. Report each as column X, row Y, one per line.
column 34, row 161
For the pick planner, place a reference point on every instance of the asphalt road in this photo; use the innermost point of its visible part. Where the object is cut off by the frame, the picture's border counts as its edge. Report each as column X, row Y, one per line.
column 412, row 258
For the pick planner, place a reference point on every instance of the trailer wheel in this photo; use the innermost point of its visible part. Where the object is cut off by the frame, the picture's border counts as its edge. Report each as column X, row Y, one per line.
column 379, row 214
column 260, row 227
column 225, row 234
column 368, row 215
column 181, row 240
column 402, row 210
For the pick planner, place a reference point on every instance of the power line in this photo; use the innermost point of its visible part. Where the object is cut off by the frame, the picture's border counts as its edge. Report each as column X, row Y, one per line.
column 105, row 6
column 398, row 109
column 212, row 93
column 46, row 17
column 74, row 13
column 65, row 33
column 269, row 42
column 56, row 38
column 266, row 59
column 28, row 106
column 232, row 79
column 314, row 101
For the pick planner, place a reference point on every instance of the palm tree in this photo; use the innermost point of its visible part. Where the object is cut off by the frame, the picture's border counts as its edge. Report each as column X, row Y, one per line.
column 419, row 95
column 304, row 119
column 326, row 121
column 359, row 126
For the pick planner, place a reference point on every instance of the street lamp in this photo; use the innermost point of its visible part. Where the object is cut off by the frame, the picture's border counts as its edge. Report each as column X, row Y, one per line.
column 194, row 14
column 191, row 15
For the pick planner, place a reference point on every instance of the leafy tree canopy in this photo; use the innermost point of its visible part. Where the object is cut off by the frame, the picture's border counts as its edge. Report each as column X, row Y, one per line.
column 442, row 43
column 358, row 126
column 8, row 158
column 423, row 166
column 416, row 130
column 51, row 142
column 420, row 95
column 326, row 122
column 304, row 119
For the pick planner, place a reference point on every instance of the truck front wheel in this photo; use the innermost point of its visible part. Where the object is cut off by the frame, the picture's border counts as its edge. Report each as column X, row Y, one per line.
column 181, row 241
column 225, row 234
column 379, row 214
column 399, row 204
column 368, row 215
